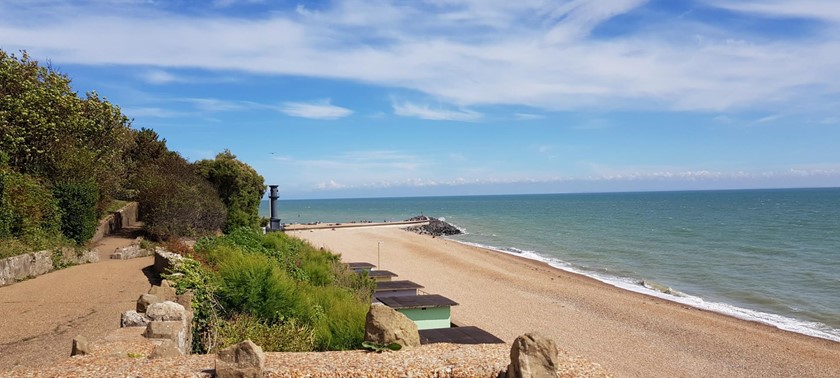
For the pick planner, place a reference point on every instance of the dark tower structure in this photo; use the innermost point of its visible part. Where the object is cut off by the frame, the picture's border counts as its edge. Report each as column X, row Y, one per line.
column 274, row 222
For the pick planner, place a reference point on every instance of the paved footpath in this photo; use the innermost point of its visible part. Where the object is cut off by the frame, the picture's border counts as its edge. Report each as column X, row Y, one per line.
column 40, row 317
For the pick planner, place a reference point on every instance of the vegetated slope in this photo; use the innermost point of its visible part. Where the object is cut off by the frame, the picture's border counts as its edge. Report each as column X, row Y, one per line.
column 276, row 290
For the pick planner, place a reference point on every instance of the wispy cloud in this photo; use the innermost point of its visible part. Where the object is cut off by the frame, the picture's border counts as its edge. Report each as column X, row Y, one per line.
column 159, row 77
column 408, row 109
column 528, row 116
column 321, row 109
column 828, row 10
column 465, row 52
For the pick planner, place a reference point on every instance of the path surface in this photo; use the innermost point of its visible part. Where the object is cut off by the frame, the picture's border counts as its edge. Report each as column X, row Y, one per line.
column 40, row 317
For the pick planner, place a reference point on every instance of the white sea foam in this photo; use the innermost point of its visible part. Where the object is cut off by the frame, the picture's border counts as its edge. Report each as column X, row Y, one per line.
column 814, row 329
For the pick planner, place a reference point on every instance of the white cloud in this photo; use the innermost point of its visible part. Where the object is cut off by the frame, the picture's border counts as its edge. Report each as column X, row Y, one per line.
column 466, row 52
column 528, row 116
column 828, row 10
column 407, row 109
column 154, row 112
column 321, row 109
column 159, row 77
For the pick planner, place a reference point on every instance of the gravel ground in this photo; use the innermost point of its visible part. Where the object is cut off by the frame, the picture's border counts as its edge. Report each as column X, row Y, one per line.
column 123, row 354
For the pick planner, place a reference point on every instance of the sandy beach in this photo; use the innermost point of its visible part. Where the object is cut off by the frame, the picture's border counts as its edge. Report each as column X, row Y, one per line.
column 630, row 334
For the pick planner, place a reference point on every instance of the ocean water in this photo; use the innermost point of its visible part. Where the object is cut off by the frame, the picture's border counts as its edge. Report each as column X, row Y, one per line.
column 766, row 255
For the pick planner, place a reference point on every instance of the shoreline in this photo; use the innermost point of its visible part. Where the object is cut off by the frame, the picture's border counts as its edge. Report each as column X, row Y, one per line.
column 781, row 322
column 628, row 332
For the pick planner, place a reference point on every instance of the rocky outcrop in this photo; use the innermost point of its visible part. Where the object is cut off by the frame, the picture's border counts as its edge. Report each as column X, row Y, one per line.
column 243, row 360
column 385, row 325
column 436, row 227
column 533, row 356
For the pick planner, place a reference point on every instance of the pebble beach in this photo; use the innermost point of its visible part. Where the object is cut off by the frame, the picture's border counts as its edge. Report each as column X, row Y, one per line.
column 629, row 334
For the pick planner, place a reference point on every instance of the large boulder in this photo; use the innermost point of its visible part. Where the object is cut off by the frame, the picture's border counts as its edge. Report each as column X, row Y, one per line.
column 243, row 360
column 145, row 301
column 166, row 311
column 166, row 349
column 165, row 330
column 164, row 291
column 533, row 356
column 133, row 319
column 186, row 299
column 385, row 325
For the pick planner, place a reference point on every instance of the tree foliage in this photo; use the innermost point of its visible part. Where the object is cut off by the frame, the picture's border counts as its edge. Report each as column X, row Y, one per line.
column 27, row 207
column 50, row 132
column 77, row 201
column 175, row 201
column 239, row 186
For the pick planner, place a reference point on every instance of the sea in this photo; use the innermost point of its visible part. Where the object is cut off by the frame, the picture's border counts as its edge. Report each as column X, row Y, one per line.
column 771, row 256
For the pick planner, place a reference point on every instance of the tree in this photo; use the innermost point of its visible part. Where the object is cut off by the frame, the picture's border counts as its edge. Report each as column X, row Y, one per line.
column 175, row 201
column 240, row 188
column 50, row 132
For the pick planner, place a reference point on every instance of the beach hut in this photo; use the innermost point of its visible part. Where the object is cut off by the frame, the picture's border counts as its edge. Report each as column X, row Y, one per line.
column 381, row 275
column 396, row 288
column 427, row 311
column 359, row 267
column 458, row 335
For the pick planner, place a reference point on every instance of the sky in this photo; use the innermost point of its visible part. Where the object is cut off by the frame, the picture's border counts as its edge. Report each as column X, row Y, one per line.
column 381, row 98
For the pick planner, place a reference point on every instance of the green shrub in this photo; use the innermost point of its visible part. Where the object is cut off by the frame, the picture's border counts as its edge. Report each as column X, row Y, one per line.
column 176, row 202
column 27, row 206
column 264, row 283
column 338, row 318
column 253, row 284
column 77, row 201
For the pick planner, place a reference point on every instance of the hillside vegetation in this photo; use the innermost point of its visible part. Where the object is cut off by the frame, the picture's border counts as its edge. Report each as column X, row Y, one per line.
column 278, row 291
column 65, row 159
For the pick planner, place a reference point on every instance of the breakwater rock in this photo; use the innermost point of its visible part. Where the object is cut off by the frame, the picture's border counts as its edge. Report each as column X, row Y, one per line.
column 436, row 227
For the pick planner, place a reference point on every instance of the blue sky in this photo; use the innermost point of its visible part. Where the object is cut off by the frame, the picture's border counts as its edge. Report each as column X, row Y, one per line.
column 366, row 98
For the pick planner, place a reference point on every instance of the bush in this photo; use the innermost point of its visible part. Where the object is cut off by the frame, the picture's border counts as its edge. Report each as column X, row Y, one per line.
column 176, row 202
column 338, row 318
column 274, row 280
column 27, row 206
column 77, row 201
column 254, row 285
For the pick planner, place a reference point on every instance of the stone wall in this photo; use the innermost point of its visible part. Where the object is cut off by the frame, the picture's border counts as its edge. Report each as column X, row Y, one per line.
column 34, row 264
column 125, row 217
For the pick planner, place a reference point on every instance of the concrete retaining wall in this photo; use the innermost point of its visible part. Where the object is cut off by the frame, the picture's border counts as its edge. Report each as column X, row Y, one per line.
column 125, row 217
column 34, row 264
